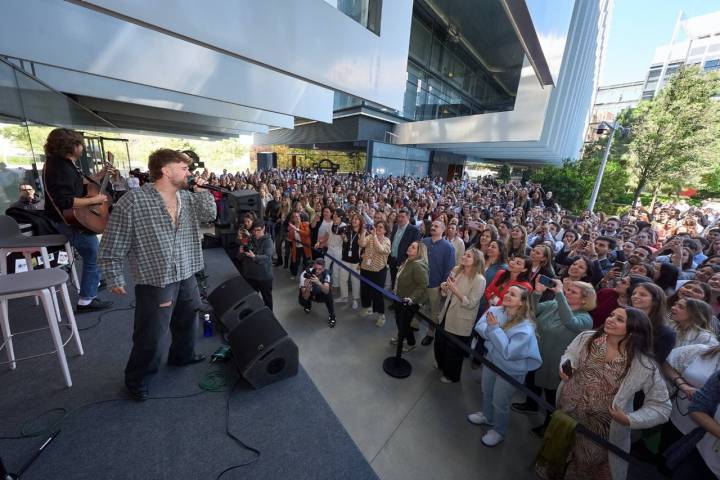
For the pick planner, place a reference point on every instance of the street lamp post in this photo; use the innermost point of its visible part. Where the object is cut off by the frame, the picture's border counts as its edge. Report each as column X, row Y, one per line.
column 598, row 180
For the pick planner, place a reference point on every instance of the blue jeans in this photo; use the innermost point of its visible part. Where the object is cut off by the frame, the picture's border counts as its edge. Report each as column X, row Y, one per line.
column 87, row 244
column 497, row 394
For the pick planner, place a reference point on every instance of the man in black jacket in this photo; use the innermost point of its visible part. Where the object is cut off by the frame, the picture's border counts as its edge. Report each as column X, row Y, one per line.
column 402, row 236
column 65, row 189
column 256, row 262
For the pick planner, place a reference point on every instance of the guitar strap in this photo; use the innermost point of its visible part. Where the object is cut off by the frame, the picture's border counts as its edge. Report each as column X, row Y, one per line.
column 47, row 192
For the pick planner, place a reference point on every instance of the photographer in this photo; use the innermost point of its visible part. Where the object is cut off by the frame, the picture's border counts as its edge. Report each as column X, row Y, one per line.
column 315, row 287
column 255, row 257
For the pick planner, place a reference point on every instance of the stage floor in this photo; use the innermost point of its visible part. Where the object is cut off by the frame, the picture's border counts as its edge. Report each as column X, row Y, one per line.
column 289, row 422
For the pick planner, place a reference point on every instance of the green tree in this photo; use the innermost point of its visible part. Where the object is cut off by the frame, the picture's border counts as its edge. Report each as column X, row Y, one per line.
column 671, row 133
column 572, row 183
column 504, row 172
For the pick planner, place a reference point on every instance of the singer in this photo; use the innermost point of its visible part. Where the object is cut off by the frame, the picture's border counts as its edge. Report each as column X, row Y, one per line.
column 156, row 229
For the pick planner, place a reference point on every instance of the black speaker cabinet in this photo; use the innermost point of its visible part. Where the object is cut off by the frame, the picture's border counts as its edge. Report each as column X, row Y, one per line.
column 241, row 201
column 262, row 351
column 234, row 296
column 266, row 160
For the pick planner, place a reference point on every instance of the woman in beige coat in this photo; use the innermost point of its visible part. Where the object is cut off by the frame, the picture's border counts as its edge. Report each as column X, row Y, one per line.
column 463, row 290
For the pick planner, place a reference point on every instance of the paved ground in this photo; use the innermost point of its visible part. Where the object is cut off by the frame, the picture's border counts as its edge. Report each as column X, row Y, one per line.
column 413, row 428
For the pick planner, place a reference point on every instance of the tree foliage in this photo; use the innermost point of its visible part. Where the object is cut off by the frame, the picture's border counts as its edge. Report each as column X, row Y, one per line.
column 504, row 172
column 674, row 135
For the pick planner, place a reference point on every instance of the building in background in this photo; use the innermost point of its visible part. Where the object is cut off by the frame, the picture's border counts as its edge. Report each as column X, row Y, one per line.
column 486, row 80
column 610, row 100
column 396, row 87
column 700, row 48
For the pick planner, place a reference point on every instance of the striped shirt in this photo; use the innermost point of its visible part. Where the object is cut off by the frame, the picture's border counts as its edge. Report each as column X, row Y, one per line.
column 376, row 254
column 141, row 231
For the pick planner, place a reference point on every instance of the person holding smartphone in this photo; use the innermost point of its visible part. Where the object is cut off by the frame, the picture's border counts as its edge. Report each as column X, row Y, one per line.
column 511, row 341
column 558, row 322
column 609, row 366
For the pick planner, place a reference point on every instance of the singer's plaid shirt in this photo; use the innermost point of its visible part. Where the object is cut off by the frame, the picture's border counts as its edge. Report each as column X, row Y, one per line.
column 141, row 231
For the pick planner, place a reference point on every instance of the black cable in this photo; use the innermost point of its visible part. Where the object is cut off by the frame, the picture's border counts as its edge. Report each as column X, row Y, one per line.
column 100, row 317
column 234, row 437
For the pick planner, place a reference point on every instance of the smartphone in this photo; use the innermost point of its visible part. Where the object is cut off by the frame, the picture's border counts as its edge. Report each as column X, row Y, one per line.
column 567, row 368
column 547, row 281
column 619, row 266
column 585, row 236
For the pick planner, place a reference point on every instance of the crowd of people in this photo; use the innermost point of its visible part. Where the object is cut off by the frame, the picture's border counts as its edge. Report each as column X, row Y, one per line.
column 611, row 319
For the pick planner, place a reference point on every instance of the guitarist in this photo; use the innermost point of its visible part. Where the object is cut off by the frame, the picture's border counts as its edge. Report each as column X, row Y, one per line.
column 64, row 188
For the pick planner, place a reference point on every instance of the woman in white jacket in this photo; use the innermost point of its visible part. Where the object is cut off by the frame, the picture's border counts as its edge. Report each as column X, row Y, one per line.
column 463, row 288
column 609, row 366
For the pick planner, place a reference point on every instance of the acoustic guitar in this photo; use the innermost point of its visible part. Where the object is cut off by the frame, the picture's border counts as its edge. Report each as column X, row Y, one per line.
column 92, row 217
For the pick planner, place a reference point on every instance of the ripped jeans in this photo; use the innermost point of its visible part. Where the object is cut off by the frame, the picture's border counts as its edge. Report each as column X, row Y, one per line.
column 173, row 306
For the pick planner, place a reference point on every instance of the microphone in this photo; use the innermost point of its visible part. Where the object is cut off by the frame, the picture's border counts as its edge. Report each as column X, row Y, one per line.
column 191, row 183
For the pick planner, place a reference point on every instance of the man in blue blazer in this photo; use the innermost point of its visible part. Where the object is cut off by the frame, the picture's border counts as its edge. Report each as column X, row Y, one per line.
column 403, row 234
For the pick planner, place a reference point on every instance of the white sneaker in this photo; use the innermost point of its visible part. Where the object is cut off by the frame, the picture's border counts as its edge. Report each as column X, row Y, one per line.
column 393, row 340
column 444, row 379
column 380, row 320
column 355, row 305
column 492, row 438
column 368, row 312
column 478, row 418
column 341, row 300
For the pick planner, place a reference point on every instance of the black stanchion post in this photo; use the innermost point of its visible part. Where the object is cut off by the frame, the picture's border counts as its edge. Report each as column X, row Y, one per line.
column 396, row 366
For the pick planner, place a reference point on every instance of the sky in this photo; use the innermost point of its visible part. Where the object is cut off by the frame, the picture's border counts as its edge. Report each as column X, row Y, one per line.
column 637, row 28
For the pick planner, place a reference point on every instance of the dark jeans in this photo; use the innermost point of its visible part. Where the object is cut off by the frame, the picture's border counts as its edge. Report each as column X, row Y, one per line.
column 87, row 244
column 265, row 289
column 448, row 356
column 393, row 264
column 693, row 467
column 319, row 297
column 371, row 296
column 156, row 309
column 299, row 263
column 403, row 316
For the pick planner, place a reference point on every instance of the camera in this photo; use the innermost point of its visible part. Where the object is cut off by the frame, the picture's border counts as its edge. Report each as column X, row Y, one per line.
column 309, row 272
column 339, row 229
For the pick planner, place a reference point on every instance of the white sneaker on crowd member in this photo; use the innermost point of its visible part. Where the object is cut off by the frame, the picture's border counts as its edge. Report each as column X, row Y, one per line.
column 408, row 348
column 368, row 312
column 393, row 340
column 444, row 379
column 355, row 305
column 342, row 300
column 478, row 418
column 492, row 438
column 380, row 320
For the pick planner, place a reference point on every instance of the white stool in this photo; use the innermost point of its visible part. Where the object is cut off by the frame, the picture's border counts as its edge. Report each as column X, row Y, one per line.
column 40, row 283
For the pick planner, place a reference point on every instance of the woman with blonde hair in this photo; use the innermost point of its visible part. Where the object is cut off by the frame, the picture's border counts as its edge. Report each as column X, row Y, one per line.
column 410, row 285
column 511, row 343
column 559, row 321
column 463, row 290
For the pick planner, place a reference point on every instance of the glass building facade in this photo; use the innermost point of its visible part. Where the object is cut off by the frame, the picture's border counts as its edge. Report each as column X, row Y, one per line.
column 456, row 68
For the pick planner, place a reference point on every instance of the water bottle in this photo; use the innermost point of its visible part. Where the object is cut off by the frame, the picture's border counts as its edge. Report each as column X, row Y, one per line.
column 207, row 326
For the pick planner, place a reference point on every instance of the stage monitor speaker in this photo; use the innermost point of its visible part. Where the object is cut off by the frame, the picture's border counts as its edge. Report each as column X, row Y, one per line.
column 242, row 201
column 261, row 349
column 233, row 297
column 266, row 161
